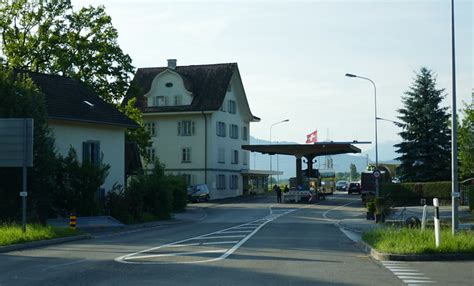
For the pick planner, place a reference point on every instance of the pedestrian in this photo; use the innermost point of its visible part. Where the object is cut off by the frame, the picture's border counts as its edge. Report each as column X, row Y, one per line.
column 286, row 190
column 278, row 191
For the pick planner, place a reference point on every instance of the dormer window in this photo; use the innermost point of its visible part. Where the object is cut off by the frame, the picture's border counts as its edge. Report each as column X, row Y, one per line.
column 232, row 106
column 160, row 101
column 169, row 84
column 177, row 100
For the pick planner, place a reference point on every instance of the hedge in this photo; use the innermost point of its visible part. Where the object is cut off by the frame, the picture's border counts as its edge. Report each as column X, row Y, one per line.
column 470, row 195
column 411, row 193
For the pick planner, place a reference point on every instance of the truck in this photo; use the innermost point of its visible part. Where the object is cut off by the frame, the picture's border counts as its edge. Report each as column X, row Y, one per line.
column 367, row 183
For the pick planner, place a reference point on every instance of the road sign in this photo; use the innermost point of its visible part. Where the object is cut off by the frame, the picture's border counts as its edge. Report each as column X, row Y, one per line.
column 16, row 142
column 23, row 194
column 456, row 195
column 376, row 174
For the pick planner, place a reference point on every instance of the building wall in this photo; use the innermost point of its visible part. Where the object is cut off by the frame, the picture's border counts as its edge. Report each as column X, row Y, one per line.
column 112, row 145
column 168, row 144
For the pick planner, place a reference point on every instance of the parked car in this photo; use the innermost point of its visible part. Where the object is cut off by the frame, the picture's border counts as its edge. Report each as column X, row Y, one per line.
column 354, row 187
column 341, row 185
column 198, row 193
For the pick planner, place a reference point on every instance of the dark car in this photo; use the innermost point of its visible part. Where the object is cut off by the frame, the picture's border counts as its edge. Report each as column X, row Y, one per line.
column 341, row 185
column 198, row 193
column 354, row 187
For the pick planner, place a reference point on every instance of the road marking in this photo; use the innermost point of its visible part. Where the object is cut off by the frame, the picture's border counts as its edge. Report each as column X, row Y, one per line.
column 220, row 242
column 406, row 273
column 65, row 264
column 237, row 231
column 257, row 225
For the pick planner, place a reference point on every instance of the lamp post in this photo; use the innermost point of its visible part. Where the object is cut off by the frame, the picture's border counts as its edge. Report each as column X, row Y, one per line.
column 375, row 120
column 388, row 120
column 283, row 121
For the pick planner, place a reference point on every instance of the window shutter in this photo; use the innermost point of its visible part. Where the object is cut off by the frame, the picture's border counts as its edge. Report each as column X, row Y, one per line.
column 193, row 129
column 86, row 155
column 96, row 153
column 179, row 128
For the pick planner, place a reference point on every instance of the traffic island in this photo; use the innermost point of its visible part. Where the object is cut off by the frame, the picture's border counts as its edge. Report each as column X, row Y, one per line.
column 414, row 244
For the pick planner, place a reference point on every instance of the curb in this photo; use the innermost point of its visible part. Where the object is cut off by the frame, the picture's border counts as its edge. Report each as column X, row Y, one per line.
column 40, row 243
column 413, row 257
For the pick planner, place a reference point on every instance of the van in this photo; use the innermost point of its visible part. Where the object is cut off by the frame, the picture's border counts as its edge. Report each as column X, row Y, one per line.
column 198, row 193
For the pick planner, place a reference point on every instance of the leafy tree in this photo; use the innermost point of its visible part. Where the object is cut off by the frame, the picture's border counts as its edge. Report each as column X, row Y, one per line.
column 49, row 36
column 466, row 143
column 425, row 150
column 19, row 98
column 354, row 175
column 138, row 135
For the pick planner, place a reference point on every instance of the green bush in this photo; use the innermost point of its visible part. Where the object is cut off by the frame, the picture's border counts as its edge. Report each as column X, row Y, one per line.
column 148, row 197
column 371, row 207
column 411, row 193
column 470, row 195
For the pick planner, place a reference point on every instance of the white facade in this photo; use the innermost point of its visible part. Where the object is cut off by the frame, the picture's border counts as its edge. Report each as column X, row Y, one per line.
column 217, row 161
column 110, row 139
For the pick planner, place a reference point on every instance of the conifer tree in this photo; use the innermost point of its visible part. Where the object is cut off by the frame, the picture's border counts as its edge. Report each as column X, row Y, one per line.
column 425, row 151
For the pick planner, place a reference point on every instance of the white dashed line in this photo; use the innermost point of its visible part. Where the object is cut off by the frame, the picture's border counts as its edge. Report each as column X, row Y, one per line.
column 406, row 273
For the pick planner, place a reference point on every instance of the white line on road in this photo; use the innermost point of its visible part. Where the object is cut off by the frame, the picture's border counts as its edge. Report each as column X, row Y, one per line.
column 219, row 242
column 263, row 222
column 176, row 254
column 65, row 264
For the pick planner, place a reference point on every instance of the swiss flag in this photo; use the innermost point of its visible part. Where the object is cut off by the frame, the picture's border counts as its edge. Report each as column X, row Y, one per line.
column 312, row 137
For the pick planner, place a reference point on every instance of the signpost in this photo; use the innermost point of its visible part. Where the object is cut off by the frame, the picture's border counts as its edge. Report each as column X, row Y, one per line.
column 16, row 150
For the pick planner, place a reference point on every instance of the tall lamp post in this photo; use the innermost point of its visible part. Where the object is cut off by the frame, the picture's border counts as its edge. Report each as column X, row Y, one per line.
column 271, row 157
column 375, row 120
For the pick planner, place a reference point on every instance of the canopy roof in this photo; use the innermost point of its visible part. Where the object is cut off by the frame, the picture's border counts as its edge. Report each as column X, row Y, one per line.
column 307, row 150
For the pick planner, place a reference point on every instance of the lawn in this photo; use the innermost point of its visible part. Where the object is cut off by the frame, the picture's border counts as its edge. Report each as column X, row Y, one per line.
column 414, row 241
column 12, row 234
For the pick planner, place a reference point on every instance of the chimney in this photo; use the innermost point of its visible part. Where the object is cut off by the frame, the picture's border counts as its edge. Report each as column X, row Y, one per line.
column 172, row 64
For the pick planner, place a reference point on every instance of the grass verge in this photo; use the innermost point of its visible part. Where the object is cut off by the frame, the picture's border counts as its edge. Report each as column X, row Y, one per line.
column 12, row 234
column 414, row 241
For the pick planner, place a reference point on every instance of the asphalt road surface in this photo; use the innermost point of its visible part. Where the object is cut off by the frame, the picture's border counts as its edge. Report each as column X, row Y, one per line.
column 246, row 242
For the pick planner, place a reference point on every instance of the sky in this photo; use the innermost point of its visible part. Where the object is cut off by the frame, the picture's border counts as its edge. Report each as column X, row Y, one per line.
column 293, row 55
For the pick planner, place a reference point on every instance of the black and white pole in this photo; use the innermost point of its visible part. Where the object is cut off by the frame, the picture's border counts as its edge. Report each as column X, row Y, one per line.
column 436, row 222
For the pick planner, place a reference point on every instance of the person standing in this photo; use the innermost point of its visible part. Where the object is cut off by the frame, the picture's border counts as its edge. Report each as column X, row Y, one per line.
column 278, row 191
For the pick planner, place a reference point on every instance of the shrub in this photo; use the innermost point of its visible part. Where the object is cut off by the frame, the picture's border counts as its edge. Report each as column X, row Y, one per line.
column 177, row 184
column 371, row 207
column 441, row 190
column 470, row 195
column 411, row 193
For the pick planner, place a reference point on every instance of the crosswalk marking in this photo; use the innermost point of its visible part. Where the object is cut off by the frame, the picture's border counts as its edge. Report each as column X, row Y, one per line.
column 406, row 273
column 197, row 249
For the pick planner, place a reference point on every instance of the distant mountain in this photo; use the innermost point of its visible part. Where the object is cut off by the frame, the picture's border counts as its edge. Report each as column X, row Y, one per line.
column 386, row 151
column 287, row 164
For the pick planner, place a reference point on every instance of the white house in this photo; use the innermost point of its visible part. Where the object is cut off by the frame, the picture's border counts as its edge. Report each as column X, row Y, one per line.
column 198, row 117
column 82, row 120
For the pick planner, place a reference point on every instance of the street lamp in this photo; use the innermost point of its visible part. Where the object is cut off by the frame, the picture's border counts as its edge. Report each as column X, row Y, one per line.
column 375, row 120
column 283, row 121
column 394, row 122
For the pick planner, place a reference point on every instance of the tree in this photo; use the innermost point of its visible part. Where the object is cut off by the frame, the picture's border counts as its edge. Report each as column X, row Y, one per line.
column 49, row 36
column 426, row 147
column 20, row 98
column 466, row 143
column 353, row 172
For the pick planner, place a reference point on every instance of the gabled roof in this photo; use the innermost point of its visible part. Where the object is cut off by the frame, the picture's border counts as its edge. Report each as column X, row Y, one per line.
column 71, row 100
column 208, row 83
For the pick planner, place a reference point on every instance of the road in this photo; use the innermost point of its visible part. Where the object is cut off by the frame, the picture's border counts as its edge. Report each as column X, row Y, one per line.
column 246, row 242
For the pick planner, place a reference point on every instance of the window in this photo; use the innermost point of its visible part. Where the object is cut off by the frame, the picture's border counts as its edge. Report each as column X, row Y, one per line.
column 188, row 178
column 186, row 128
column 91, row 152
column 221, row 155
column 151, row 154
column 150, row 128
column 235, row 157
column 186, row 155
column 245, row 160
column 229, row 88
column 232, row 107
column 177, row 100
column 245, row 133
column 234, row 131
column 220, row 129
column 220, row 182
column 234, row 182
column 160, row 101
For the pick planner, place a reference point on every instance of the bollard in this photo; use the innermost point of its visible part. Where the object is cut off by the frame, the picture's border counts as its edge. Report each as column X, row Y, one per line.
column 72, row 221
column 436, row 222
column 423, row 218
